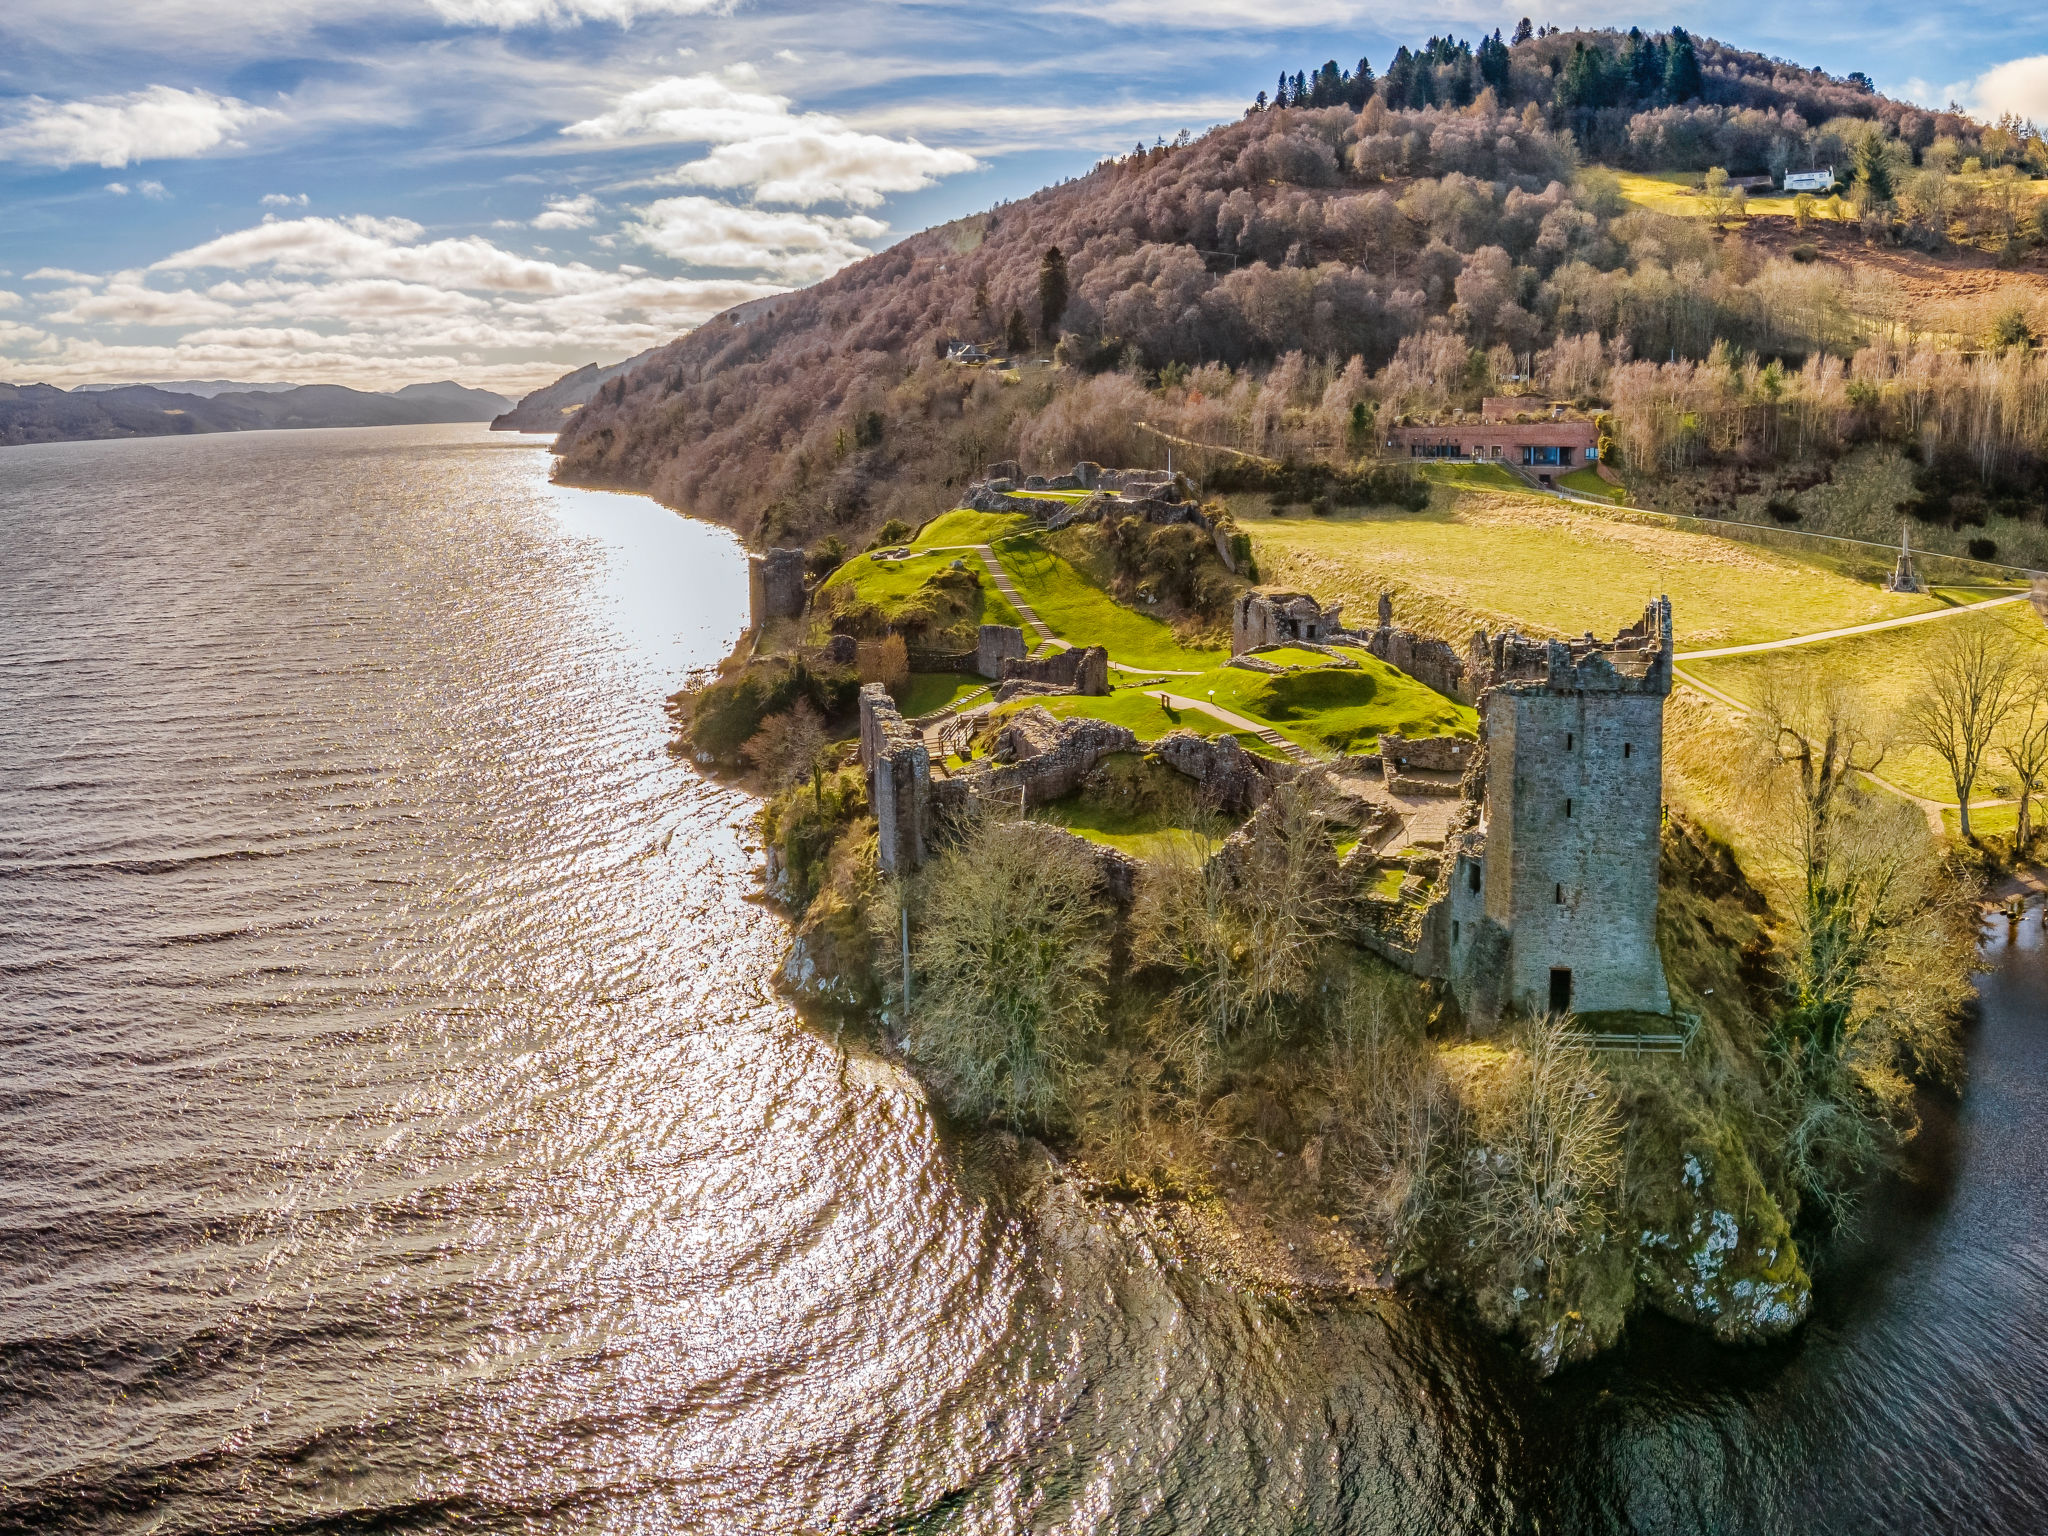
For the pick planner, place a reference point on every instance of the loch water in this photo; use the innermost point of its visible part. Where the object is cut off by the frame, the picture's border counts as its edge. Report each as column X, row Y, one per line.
column 399, row 1132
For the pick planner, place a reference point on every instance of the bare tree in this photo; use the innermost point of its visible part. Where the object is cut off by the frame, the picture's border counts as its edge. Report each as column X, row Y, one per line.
column 1012, row 957
column 1971, row 686
column 1547, row 1150
column 2024, row 746
column 788, row 746
column 1814, row 735
column 1248, row 928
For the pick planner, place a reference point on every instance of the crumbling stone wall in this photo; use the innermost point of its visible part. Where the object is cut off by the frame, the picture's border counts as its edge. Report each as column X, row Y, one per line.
column 1261, row 618
column 998, row 643
column 1230, row 778
column 1045, row 757
column 1084, row 669
column 775, row 585
column 899, row 781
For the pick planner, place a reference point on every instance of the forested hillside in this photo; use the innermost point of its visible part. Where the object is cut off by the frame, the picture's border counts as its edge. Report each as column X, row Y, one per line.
column 1293, row 281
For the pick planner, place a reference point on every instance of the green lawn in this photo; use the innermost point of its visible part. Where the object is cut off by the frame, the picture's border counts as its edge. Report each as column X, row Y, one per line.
column 1556, row 569
column 1988, row 820
column 1587, row 482
column 1081, row 612
column 927, row 692
column 893, row 585
column 1050, row 495
column 1335, row 709
column 964, row 527
column 1474, row 477
column 1387, row 882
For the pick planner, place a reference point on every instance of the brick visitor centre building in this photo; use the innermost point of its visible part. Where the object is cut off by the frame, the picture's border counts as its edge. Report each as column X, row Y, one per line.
column 1540, row 439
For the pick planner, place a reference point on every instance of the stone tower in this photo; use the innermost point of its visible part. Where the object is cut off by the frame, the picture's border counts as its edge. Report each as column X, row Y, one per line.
column 1554, row 895
column 775, row 586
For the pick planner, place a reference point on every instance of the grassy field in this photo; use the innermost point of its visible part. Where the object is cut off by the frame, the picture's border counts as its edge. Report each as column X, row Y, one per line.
column 964, row 527
column 894, row 585
column 1887, row 668
column 1473, row 477
column 1587, row 482
column 1080, row 611
column 1548, row 567
column 927, row 692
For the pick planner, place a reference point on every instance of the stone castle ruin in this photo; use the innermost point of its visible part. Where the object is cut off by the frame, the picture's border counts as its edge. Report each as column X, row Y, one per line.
column 1548, row 895
column 1534, row 888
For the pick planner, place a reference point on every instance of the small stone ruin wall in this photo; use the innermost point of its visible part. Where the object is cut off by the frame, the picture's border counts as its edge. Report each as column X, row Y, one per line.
column 1431, row 662
column 1084, row 669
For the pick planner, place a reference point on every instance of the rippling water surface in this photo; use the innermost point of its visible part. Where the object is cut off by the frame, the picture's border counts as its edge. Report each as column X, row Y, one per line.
column 397, row 1131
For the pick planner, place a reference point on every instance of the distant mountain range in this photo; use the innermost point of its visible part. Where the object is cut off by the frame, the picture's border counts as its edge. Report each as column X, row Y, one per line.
column 205, row 387
column 42, row 413
column 545, row 409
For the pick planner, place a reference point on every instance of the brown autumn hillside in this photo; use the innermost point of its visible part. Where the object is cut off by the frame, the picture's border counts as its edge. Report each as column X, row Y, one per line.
column 1286, row 280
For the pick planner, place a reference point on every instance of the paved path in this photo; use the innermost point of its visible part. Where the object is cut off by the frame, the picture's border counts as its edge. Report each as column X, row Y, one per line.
column 1265, row 733
column 1854, row 629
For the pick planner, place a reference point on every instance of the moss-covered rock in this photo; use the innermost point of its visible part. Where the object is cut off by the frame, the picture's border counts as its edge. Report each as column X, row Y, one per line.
column 1722, row 1256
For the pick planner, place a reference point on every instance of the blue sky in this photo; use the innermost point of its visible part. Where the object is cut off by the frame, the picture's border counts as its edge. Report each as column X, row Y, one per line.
column 375, row 192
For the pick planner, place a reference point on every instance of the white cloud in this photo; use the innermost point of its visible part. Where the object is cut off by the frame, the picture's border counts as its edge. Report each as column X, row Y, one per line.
column 2019, row 86
column 568, row 213
column 763, row 148
column 160, row 123
column 694, row 109
column 798, row 247
column 118, row 188
column 809, row 165
column 9, row 300
column 153, row 190
column 60, row 275
column 507, row 14
column 130, row 303
column 285, row 200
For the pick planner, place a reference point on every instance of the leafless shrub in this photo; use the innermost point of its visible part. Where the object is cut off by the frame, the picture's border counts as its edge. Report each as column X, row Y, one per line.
column 1012, row 959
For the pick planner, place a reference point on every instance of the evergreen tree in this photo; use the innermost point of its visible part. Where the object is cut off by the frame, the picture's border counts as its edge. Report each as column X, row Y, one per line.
column 1874, row 167
column 1361, row 86
column 1052, row 293
column 1523, row 31
column 1259, row 102
column 1329, row 90
column 1016, row 335
column 1493, row 64
column 1300, row 89
column 1682, row 80
column 1592, row 79
column 1280, row 95
column 1398, row 89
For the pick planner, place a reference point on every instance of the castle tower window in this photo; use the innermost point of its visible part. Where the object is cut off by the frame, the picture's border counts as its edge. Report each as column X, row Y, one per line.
column 1628, row 749
column 1560, row 989
column 1567, row 810
column 1560, row 895
column 1569, row 738
column 1472, row 877
column 1456, row 930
